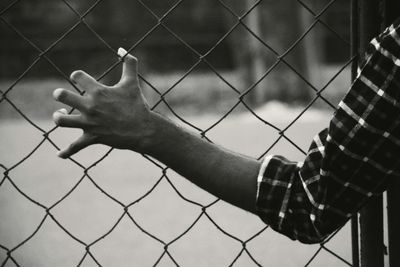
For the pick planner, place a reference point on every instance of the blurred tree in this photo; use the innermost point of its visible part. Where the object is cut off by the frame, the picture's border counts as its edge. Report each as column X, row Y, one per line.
column 200, row 23
column 277, row 23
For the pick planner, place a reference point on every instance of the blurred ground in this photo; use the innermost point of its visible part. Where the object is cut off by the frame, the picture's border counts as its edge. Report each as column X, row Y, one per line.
column 88, row 214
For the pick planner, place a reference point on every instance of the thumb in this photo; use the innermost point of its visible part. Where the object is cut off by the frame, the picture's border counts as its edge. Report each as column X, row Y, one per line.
column 79, row 144
column 129, row 66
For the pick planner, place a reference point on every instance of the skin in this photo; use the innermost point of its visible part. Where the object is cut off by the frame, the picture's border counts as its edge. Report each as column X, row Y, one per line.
column 119, row 116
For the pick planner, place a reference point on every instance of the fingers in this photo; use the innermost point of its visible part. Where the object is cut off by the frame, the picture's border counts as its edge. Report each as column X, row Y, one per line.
column 129, row 67
column 69, row 98
column 63, row 119
column 82, row 142
column 84, row 80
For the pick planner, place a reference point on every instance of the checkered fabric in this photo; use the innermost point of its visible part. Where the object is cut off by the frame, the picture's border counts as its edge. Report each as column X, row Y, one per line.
column 349, row 162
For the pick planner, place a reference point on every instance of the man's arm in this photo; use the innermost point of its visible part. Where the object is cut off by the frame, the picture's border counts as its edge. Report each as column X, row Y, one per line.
column 119, row 116
column 227, row 175
column 348, row 163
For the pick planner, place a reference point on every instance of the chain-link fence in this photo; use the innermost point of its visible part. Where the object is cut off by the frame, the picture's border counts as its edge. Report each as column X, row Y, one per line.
column 49, row 200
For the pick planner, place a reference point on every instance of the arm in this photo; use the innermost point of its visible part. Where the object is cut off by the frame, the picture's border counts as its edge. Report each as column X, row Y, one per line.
column 346, row 165
column 349, row 163
column 227, row 175
column 119, row 116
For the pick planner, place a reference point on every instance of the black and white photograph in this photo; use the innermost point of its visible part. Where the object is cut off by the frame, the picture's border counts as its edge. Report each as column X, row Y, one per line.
column 199, row 133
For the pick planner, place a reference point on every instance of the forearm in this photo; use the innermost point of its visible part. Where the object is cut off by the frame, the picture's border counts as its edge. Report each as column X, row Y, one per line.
column 119, row 116
column 227, row 175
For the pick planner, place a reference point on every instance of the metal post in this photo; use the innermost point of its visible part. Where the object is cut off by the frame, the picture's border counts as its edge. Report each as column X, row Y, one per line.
column 371, row 217
column 393, row 206
column 391, row 12
column 354, row 50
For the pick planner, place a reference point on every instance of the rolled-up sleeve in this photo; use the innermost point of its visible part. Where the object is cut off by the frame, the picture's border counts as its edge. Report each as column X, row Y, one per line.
column 347, row 163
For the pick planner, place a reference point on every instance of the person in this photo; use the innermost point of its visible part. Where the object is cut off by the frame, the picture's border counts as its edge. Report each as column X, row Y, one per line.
column 348, row 163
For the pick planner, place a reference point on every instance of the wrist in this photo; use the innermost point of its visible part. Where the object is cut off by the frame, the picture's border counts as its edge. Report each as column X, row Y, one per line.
column 155, row 130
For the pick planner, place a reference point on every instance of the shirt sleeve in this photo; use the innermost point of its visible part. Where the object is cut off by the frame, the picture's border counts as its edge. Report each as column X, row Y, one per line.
column 347, row 163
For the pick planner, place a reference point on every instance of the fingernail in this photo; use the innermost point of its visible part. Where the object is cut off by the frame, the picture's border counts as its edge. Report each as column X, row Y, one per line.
column 57, row 93
column 63, row 111
column 122, row 52
column 56, row 116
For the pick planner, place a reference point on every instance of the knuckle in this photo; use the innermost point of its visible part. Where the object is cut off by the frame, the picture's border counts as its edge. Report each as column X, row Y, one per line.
column 95, row 98
column 97, row 92
column 91, row 107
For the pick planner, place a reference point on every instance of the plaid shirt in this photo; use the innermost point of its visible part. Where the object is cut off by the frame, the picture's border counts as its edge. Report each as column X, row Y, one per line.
column 348, row 163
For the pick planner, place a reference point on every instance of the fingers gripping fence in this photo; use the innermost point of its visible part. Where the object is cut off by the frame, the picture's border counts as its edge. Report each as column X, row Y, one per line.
column 126, row 211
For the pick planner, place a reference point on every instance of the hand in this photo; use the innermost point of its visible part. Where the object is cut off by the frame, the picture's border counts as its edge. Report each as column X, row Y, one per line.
column 117, row 115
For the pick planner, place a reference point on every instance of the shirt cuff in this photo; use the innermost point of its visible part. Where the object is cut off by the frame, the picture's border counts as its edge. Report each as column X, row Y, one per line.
column 274, row 188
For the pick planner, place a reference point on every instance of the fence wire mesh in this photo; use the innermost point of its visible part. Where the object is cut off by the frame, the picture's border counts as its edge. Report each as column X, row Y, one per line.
column 13, row 253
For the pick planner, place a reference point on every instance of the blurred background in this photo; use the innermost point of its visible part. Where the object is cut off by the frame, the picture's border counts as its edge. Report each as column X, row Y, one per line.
column 200, row 25
column 236, row 72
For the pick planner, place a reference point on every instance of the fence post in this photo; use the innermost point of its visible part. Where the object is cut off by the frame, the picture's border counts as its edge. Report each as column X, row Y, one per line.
column 393, row 209
column 354, row 34
column 371, row 216
column 391, row 12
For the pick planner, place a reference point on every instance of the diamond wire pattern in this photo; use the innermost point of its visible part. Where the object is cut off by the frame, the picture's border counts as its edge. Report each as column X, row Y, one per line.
column 201, row 58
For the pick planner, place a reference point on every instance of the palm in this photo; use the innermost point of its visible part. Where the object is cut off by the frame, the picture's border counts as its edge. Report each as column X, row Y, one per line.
column 112, row 115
